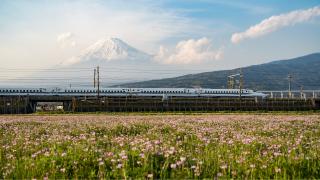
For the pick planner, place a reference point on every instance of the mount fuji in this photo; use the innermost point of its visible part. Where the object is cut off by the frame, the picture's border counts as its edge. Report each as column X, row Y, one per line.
column 110, row 51
column 119, row 63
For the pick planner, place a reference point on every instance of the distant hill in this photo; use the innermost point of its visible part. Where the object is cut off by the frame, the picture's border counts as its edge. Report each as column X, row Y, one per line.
column 269, row 76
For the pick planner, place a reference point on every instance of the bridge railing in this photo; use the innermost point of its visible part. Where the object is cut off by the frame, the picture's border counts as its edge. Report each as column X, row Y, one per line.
column 296, row 94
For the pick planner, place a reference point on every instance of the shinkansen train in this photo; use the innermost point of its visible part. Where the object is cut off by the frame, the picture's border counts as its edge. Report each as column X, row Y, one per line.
column 163, row 92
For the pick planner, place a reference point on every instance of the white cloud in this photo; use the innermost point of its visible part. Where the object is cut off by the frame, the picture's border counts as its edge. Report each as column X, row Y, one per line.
column 66, row 39
column 189, row 52
column 274, row 23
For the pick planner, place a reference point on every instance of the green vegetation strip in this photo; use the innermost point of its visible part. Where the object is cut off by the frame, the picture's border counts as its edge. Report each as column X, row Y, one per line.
column 160, row 147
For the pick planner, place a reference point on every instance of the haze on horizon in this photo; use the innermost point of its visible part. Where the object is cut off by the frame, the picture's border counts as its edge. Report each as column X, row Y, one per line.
column 202, row 35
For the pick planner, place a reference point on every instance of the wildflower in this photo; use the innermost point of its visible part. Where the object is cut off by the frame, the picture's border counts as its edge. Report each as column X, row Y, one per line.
column 157, row 142
column 276, row 154
column 124, row 157
column 224, row 166
column 252, row 166
column 173, row 166
column 234, row 173
column 183, row 159
column 63, row 154
column 150, row 175
column 119, row 166
column 179, row 163
column 277, row 170
column 63, row 170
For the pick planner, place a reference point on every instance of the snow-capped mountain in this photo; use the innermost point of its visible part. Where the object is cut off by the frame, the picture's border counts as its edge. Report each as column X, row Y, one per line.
column 108, row 50
column 118, row 62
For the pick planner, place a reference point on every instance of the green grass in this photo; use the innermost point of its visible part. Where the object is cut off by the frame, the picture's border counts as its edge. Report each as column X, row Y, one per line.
column 160, row 147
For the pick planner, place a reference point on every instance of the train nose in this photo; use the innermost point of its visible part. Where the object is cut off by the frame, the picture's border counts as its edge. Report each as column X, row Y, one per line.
column 263, row 95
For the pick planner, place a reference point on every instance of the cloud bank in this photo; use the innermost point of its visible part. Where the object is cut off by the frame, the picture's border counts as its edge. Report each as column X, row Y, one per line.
column 66, row 39
column 189, row 52
column 274, row 23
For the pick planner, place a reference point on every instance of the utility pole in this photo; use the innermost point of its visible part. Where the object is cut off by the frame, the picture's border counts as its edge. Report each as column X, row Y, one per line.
column 94, row 78
column 231, row 82
column 289, row 79
column 241, row 83
column 98, row 82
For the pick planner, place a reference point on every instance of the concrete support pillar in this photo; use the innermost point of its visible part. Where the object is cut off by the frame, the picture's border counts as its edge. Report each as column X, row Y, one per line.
column 67, row 106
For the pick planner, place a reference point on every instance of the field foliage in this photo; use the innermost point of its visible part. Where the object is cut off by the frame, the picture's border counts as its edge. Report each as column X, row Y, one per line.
column 170, row 146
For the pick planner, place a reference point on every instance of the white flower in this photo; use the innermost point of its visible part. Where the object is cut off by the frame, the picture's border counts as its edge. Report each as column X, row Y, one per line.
column 173, row 166
column 183, row 159
column 119, row 166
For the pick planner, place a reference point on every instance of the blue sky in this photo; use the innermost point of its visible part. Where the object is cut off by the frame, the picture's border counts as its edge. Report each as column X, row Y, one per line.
column 29, row 30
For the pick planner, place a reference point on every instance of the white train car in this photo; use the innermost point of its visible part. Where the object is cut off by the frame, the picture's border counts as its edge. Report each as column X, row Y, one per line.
column 153, row 92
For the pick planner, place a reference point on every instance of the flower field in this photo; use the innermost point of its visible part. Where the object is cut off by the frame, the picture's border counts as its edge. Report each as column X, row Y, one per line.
column 159, row 147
